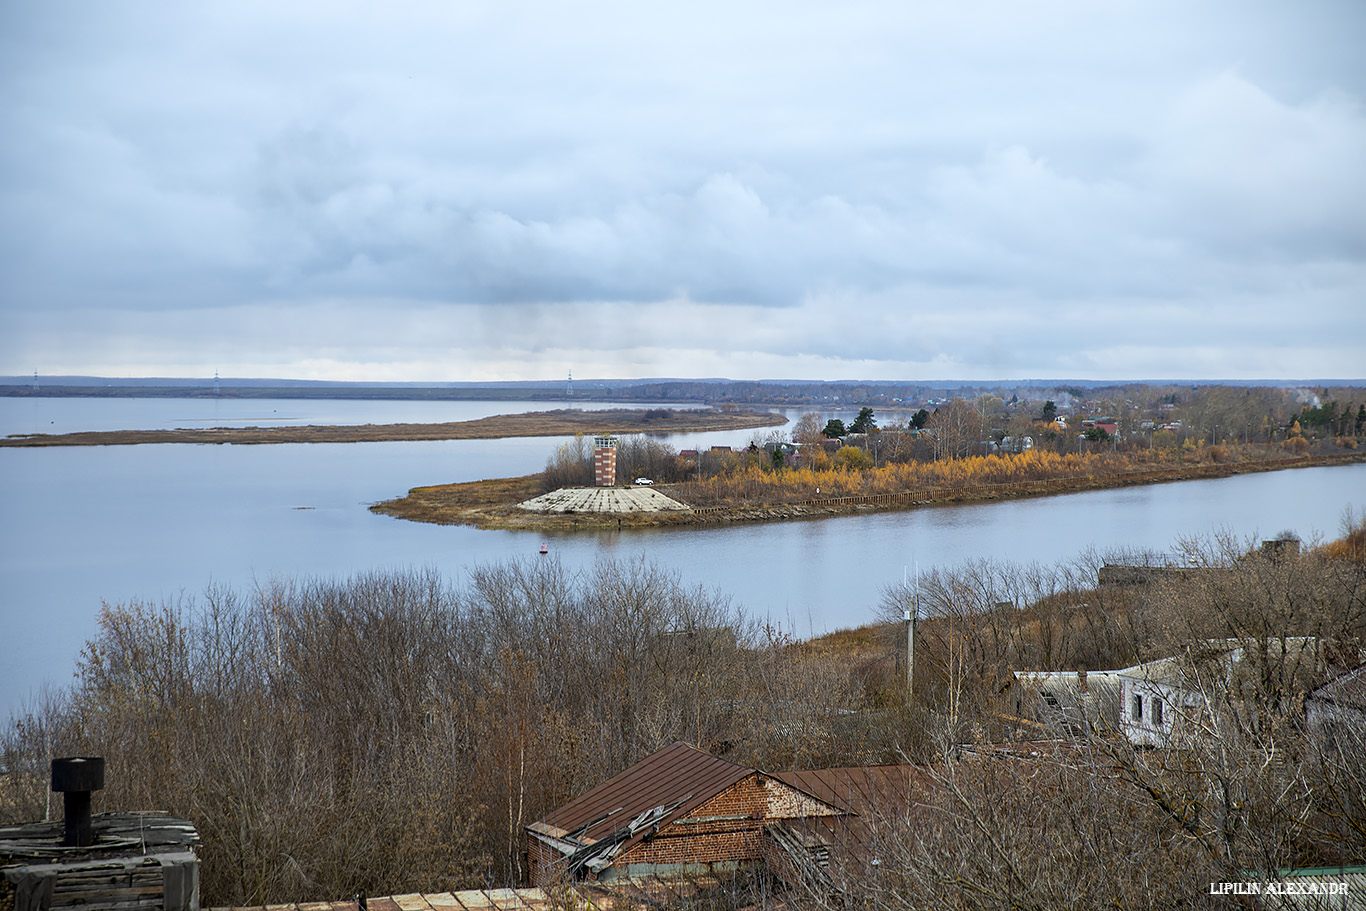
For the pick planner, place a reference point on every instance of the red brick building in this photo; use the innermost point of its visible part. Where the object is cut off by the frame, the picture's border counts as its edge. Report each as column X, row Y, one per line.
column 679, row 810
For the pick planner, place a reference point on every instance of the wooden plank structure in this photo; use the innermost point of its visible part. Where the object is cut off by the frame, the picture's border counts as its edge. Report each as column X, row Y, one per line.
column 136, row 861
column 586, row 896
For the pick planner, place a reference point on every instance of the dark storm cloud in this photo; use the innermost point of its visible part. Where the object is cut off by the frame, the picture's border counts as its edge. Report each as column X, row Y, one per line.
column 879, row 189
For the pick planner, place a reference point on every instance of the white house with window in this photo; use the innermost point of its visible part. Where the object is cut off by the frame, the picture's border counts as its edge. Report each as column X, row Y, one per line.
column 1163, row 702
column 1156, row 707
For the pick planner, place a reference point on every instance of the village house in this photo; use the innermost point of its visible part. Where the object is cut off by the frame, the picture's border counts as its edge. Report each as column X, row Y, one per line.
column 791, row 452
column 134, row 861
column 677, row 811
column 1069, row 703
column 684, row 812
column 1158, row 703
column 1150, row 568
column 1166, row 702
column 681, row 813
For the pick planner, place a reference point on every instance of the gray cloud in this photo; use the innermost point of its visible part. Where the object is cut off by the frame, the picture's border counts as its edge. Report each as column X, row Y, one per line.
column 439, row 191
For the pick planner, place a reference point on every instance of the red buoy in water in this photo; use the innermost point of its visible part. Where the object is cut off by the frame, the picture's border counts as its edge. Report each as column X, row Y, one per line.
column 544, row 549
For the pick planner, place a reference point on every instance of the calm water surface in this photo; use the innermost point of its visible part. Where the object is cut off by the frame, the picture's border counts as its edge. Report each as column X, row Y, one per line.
column 74, row 415
column 86, row 524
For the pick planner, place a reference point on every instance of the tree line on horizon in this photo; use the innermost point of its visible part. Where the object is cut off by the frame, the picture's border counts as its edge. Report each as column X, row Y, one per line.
column 986, row 440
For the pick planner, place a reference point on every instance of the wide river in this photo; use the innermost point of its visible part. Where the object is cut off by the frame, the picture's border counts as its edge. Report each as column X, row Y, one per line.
column 83, row 525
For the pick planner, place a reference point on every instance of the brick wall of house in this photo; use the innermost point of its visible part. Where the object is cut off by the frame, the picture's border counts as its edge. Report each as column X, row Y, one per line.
column 784, row 802
column 726, row 828
column 541, row 862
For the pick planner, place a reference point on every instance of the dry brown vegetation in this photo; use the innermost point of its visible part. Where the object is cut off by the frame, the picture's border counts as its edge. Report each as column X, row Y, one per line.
column 394, row 732
column 447, row 503
column 747, row 488
column 749, row 482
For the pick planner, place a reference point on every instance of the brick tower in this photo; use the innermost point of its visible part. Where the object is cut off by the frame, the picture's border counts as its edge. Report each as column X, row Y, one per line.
column 605, row 461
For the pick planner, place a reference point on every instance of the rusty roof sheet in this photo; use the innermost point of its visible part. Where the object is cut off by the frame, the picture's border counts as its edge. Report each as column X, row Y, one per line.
column 868, row 794
column 859, row 789
column 678, row 774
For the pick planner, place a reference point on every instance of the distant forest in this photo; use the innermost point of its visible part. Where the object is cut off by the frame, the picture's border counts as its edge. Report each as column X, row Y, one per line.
column 834, row 394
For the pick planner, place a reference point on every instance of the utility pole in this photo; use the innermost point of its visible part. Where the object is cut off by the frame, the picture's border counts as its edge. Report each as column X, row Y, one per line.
column 912, row 614
column 910, row 656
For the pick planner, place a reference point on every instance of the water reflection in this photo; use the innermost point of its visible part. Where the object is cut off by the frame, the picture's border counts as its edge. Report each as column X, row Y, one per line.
column 150, row 522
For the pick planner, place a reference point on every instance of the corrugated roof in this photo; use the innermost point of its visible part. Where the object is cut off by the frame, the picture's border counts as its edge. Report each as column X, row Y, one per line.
column 868, row 794
column 1228, row 661
column 1316, row 889
column 858, row 789
column 678, row 774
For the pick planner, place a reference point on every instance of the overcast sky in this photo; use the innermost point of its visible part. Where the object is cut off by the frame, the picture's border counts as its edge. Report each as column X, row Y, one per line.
column 911, row 189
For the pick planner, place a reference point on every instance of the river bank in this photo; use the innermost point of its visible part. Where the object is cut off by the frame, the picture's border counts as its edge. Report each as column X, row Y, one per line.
column 95, row 525
column 492, row 504
column 503, row 426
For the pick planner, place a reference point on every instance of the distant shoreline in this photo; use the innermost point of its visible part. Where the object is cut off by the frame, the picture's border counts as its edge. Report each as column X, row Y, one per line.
column 529, row 424
column 311, row 392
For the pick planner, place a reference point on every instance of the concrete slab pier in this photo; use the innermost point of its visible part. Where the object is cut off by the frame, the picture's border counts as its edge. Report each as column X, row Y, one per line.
column 602, row 500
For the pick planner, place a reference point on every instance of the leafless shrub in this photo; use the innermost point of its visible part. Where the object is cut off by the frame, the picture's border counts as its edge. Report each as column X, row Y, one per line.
column 394, row 733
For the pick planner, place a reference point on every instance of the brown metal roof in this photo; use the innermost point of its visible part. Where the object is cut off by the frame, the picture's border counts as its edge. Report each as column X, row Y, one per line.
column 859, row 789
column 870, row 795
column 678, row 774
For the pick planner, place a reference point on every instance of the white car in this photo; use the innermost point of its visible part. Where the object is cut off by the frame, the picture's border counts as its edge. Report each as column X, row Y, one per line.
column 645, row 482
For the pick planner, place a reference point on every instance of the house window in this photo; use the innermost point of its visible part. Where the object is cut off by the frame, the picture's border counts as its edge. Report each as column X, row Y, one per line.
column 1138, row 706
column 1157, row 711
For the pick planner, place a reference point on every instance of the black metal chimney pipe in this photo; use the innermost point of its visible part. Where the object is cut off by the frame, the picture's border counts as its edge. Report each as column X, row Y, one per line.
column 74, row 778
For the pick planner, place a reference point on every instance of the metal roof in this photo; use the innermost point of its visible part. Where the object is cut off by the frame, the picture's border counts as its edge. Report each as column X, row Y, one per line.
column 858, row 789
column 1348, row 690
column 1227, row 661
column 679, row 776
column 868, row 795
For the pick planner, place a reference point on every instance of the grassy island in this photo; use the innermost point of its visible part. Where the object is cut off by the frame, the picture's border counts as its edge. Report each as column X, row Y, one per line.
column 749, row 492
